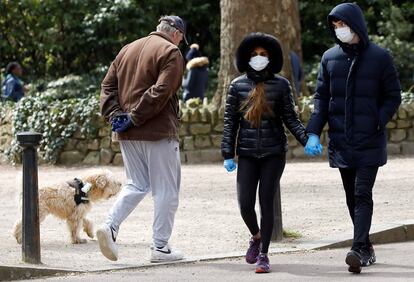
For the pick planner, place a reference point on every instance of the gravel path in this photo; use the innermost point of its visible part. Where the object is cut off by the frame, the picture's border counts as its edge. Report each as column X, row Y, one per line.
column 208, row 220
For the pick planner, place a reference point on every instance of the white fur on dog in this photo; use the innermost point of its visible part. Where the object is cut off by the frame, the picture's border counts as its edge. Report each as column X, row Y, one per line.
column 59, row 200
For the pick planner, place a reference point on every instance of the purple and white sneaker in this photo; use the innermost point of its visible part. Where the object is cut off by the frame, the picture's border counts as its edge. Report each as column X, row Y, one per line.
column 262, row 265
column 253, row 251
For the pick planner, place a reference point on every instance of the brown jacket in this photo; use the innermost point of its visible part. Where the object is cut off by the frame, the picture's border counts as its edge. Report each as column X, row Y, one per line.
column 143, row 81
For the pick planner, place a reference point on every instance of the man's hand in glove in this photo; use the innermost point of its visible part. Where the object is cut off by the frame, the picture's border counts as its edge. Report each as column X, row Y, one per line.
column 121, row 122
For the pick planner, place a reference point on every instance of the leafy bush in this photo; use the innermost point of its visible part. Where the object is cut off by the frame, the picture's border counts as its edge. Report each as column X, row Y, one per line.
column 311, row 72
column 67, row 104
column 407, row 97
column 5, row 107
column 212, row 78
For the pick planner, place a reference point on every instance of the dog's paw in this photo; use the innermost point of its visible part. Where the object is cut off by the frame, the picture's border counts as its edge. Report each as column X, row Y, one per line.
column 79, row 241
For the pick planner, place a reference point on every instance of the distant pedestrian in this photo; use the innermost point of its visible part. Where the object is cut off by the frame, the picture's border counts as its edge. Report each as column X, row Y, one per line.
column 297, row 72
column 13, row 88
column 193, row 52
column 195, row 82
column 357, row 93
column 259, row 103
column 139, row 97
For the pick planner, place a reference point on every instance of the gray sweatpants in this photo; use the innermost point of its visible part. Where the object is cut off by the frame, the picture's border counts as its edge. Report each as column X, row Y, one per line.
column 150, row 166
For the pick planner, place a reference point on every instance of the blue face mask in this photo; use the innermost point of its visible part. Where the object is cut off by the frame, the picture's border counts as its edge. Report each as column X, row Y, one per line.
column 258, row 62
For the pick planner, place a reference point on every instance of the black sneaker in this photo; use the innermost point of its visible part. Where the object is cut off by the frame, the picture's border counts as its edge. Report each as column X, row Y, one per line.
column 368, row 256
column 354, row 260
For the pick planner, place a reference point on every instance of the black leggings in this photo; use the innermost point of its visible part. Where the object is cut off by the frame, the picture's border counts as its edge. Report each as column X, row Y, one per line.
column 267, row 171
column 358, row 184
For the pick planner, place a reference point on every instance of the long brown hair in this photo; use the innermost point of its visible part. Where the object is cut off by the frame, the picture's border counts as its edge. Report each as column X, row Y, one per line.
column 256, row 105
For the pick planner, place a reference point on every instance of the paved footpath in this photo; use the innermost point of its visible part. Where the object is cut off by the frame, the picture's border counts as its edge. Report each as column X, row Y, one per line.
column 395, row 262
column 208, row 223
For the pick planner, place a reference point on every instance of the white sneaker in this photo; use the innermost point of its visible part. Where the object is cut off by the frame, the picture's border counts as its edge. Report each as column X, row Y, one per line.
column 106, row 239
column 165, row 254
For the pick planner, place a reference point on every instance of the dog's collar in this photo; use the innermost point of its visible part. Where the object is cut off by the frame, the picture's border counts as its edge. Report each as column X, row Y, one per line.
column 82, row 189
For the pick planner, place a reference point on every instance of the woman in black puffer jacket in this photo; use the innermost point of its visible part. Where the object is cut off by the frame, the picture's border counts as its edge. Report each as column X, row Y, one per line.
column 258, row 104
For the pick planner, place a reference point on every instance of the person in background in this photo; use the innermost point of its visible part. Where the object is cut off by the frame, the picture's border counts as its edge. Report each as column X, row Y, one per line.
column 297, row 72
column 258, row 104
column 357, row 93
column 195, row 82
column 193, row 52
column 13, row 88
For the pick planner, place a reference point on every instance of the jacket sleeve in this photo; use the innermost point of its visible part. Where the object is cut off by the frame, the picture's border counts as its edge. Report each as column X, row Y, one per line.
column 321, row 98
column 290, row 118
column 231, row 124
column 109, row 103
column 157, row 96
column 391, row 92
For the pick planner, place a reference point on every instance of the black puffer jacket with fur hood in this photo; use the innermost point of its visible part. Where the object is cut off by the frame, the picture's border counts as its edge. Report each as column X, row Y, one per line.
column 269, row 138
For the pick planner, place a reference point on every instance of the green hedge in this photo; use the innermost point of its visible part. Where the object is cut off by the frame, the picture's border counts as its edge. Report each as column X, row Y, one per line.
column 66, row 105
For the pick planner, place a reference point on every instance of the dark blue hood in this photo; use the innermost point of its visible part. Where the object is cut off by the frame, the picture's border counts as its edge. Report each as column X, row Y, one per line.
column 352, row 15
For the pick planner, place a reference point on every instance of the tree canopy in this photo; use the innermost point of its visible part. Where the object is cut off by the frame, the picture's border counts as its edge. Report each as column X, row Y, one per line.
column 53, row 38
column 56, row 37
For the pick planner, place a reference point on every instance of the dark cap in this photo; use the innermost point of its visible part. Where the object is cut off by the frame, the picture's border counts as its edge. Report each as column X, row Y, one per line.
column 176, row 22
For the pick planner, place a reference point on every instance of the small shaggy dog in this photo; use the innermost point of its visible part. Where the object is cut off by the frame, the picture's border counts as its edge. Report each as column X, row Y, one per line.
column 66, row 201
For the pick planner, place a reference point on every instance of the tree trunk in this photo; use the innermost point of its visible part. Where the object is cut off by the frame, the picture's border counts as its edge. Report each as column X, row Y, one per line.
column 240, row 17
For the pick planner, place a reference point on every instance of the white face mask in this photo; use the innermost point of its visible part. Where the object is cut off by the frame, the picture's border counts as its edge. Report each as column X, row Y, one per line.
column 344, row 34
column 258, row 62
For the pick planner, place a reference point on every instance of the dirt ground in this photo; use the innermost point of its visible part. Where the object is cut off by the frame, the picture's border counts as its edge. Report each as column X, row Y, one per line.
column 208, row 221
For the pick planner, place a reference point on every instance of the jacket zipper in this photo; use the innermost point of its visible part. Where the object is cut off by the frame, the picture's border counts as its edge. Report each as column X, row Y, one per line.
column 347, row 96
column 257, row 131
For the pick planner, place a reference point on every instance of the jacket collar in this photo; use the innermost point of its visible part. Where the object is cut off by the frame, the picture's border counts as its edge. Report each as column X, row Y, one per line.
column 259, row 76
column 163, row 35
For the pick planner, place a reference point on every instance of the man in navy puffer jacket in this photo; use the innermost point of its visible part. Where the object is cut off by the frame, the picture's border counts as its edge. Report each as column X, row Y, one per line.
column 357, row 93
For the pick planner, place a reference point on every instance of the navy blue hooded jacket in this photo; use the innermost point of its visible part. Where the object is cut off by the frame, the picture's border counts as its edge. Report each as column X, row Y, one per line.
column 357, row 93
column 195, row 83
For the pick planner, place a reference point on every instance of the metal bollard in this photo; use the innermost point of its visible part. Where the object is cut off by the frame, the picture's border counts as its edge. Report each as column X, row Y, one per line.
column 277, row 234
column 30, row 215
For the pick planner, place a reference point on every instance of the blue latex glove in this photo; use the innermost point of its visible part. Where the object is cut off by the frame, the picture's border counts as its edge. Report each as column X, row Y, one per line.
column 313, row 147
column 230, row 165
column 121, row 122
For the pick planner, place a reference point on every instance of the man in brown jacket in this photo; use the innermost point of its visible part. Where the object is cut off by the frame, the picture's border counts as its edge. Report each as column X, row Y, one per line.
column 139, row 98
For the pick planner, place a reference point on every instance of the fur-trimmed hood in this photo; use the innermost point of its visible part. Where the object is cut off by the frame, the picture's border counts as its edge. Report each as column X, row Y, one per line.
column 197, row 63
column 266, row 41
